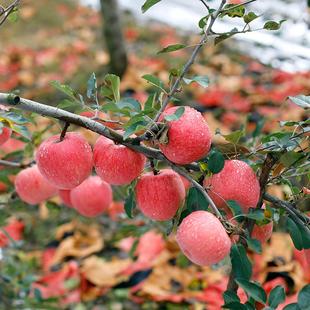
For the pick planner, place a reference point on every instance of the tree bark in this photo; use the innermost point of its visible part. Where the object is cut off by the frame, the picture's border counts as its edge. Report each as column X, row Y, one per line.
column 112, row 32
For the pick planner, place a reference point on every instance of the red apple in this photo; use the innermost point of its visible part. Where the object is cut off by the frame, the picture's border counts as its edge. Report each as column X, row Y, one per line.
column 115, row 163
column 262, row 233
column 66, row 163
column 32, row 187
column 160, row 196
column 64, row 194
column 203, row 239
column 5, row 134
column 92, row 197
column 189, row 137
column 12, row 145
column 237, row 181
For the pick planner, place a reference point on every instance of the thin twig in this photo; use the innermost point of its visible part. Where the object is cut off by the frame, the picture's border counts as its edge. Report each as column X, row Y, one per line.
column 237, row 6
column 191, row 60
column 205, row 4
column 6, row 12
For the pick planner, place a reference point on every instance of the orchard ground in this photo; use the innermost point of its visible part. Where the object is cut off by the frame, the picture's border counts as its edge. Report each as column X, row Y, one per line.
column 60, row 257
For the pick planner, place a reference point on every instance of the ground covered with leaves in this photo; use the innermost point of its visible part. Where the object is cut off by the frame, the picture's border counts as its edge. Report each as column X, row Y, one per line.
column 51, row 257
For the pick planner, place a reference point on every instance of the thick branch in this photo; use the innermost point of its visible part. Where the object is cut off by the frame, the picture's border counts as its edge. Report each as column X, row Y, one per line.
column 191, row 60
column 298, row 216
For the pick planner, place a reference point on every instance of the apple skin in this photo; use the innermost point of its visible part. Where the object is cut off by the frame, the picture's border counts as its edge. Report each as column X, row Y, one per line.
column 66, row 163
column 189, row 137
column 160, row 196
column 12, row 145
column 92, row 197
column 5, row 135
column 237, row 181
column 32, row 187
column 64, row 194
column 117, row 164
column 203, row 239
column 262, row 233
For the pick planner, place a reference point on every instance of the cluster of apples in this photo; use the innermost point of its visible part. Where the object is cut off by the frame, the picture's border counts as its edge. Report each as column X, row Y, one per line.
column 65, row 167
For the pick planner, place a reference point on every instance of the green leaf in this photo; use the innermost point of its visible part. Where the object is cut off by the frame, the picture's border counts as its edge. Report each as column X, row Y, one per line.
column 216, row 162
column 276, row 296
column 91, row 86
column 202, row 80
column 15, row 118
column 253, row 290
column 37, row 294
column 22, row 130
column 130, row 204
column 235, row 136
column 302, row 101
column 295, row 234
column 150, row 102
column 241, row 265
column 129, row 103
column 112, row 83
column 256, row 214
column 234, row 306
column 171, row 48
column 154, row 81
column 293, row 306
column 148, row 4
column 232, row 11
column 66, row 103
column 194, row 201
column 176, row 115
column 236, row 210
column 230, row 296
column 13, row 17
column 134, row 128
column 65, row 89
column 272, row 25
column 249, row 17
column 254, row 245
column 304, row 297
column 289, row 158
column 203, row 21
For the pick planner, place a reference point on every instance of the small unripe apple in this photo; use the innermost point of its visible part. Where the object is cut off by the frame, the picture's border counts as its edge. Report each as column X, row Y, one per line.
column 160, row 196
column 203, row 239
column 32, row 187
column 64, row 194
column 5, row 134
column 115, row 163
column 92, row 197
column 66, row 163
column 189, row 137
column 237, row 181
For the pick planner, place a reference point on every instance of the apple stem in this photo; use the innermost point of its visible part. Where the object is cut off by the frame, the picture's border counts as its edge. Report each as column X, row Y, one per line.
column 64, row 131
column 155, row 171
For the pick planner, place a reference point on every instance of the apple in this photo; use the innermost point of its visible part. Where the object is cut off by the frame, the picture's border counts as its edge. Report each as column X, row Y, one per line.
column 160, row 196
column 12, row 145
column 203, row 239
column 189, row 137
column 64, row 194
column 5, row 135
column 92, row 197
column 262, row 233
column 115, row 163
column 237, row 181
column 32, row 187
column 66, row 163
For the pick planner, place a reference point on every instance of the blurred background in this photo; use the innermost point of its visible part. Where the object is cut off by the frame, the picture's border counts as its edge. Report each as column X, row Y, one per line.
column 60, row 259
